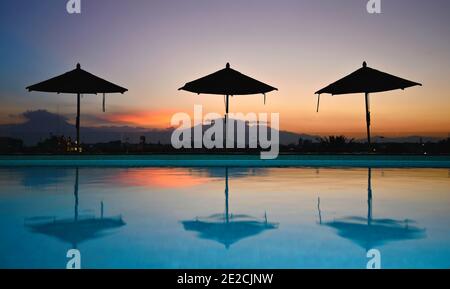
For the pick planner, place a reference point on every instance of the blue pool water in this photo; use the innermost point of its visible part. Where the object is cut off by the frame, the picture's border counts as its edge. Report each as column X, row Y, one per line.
column 176, row 217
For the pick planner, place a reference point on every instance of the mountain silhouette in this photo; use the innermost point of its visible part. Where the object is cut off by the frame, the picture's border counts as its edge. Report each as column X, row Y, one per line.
column 40, row 124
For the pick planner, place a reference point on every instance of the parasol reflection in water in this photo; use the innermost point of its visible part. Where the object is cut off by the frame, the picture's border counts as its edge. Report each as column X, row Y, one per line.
column 227, row 228
column 369, row 232
column 78, row 229
column 162, row 231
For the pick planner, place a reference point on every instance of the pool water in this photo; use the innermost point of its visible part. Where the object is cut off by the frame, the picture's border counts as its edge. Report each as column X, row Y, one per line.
column 224, row 217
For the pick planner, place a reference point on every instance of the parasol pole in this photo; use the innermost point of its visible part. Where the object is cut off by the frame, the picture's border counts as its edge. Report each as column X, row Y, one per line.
column 368, row 120
column 78, row 122
column 227, row 106
column 320, row 212
column 227, row 218
column 75, row 192
column 318, row 102
column 369, row 197
column 104, row 103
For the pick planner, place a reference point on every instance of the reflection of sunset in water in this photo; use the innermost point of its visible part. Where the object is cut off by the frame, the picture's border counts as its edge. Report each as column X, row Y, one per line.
column 177, row 217
column 158, row 178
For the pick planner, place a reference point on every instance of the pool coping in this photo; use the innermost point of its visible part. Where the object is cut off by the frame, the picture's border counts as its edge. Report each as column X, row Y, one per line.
column 235, row 160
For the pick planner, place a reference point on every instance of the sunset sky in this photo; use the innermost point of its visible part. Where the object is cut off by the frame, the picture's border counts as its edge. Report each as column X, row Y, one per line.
column 299, row 46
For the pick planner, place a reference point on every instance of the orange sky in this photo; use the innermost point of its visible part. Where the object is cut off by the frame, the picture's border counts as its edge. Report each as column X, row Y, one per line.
column 392, row 114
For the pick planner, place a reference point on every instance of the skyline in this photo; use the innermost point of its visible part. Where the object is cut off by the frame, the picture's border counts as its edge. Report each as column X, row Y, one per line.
column 154, row 47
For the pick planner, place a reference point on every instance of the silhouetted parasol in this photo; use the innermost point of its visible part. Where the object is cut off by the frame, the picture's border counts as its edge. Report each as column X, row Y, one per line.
column 370, row 233
column 227, row 228
column 79, row 82
column 366, row 80
column 78, row 229
column 228, row 82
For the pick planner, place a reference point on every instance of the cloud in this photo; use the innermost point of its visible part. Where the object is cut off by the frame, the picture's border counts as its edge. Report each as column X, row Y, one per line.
column 43, row 116
column 143, row 119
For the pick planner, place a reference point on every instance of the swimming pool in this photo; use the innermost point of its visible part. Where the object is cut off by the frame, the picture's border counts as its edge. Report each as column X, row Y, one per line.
column 223, row 217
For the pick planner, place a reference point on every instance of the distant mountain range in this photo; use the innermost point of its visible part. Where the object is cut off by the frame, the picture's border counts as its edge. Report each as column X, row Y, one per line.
column 40, row 124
